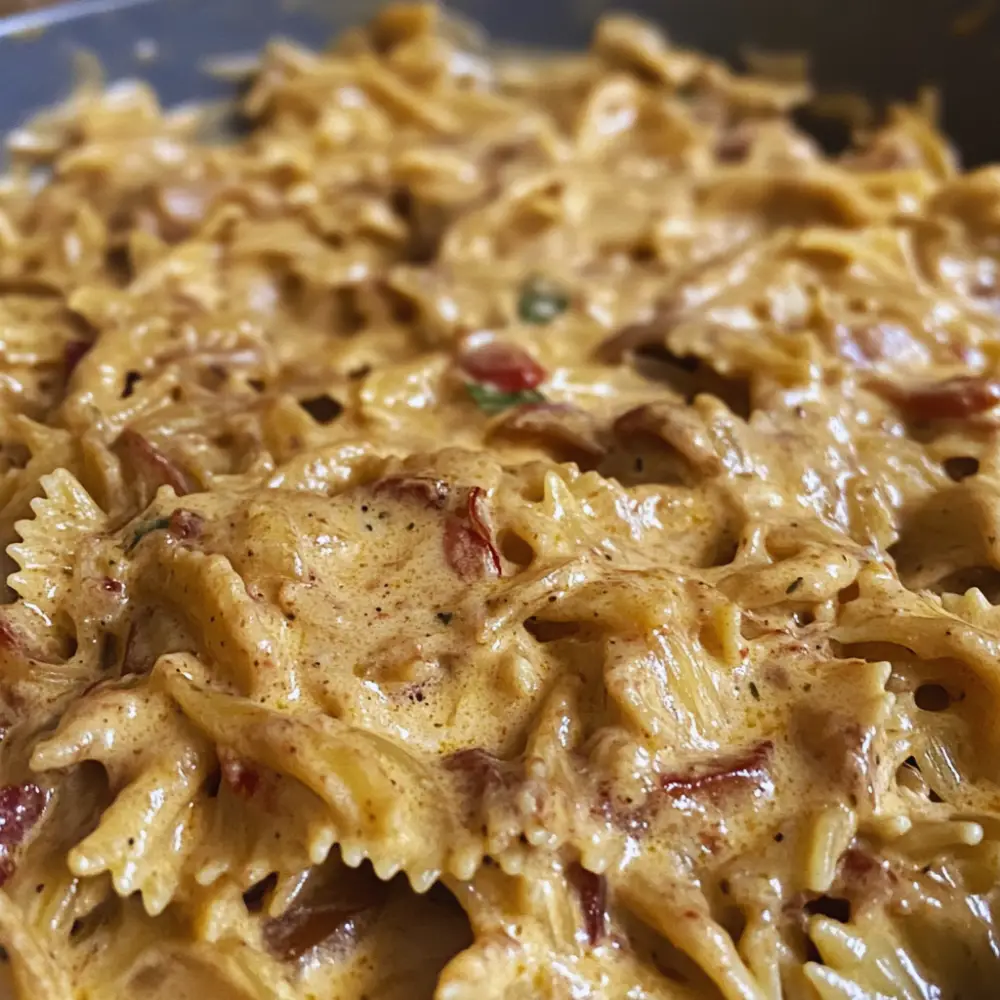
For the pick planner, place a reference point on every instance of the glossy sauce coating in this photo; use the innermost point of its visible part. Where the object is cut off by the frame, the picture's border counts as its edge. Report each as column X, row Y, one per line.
column 512, row 525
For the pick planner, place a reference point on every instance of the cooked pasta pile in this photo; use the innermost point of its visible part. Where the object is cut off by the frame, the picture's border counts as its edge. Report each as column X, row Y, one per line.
column 507, row 526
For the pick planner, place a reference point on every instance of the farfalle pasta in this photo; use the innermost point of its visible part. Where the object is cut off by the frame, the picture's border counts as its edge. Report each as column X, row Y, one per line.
column 506, row 525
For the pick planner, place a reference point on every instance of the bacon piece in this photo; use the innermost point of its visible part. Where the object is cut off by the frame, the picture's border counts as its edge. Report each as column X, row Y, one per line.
column 751, row 768
column 185, row 524
column 333, row 919
column 241, row 777
column 555, row 424
column 502, row 366
column 468, row 547
column 476, row 504
column 21, row 806
column 430, row 492
column 10, row 638
column 150, row 462
column 593, row 893
column 956, row 398
column 73, row 353
column 866, row 879
column 677, row 426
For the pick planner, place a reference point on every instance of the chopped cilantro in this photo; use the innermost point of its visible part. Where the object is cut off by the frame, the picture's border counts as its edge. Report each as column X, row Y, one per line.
column 493, row 401
column 144, row 529
column 541, row 300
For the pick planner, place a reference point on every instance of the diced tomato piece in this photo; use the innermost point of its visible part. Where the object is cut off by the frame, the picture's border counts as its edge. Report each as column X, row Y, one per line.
column 503, row 367
column 593, row 892
column 21, row 806
column 751, row 768
column 953, row 399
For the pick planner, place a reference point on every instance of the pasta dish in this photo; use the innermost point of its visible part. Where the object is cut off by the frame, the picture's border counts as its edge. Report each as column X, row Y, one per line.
column 503, row 525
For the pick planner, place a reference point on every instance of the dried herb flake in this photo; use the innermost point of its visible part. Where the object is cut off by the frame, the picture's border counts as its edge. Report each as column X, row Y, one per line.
column 159, row 524
column 492, row 401
column 541, row 301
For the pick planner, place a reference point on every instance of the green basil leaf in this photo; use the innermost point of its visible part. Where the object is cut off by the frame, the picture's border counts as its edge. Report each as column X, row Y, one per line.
column 541, row 301
column 494, row 401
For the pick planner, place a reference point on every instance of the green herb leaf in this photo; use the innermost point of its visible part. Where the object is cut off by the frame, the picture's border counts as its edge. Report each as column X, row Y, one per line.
column 144, row 529
column 493, row 401
column 541, row 301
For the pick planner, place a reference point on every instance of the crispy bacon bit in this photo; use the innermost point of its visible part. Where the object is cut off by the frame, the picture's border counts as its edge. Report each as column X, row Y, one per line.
column 502, row 366
column 751, row 768
column 185, row 524
column 954, row 399
column 150, row 462
column 112, row 586
column 241, row 777
column 556, row 424
column 21, row 806
column 334, row 920
column 73, row 353
column 593, row 892
column 430, row 492
column 468, row 547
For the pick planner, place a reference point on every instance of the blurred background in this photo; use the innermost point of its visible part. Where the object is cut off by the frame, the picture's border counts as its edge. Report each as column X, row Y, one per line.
column 884, row 49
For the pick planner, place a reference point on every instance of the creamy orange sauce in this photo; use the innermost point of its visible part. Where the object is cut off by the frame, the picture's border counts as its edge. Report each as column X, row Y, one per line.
column 509, row 526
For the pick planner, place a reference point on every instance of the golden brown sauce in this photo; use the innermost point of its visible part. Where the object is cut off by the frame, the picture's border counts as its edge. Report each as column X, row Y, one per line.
column 510, row 526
